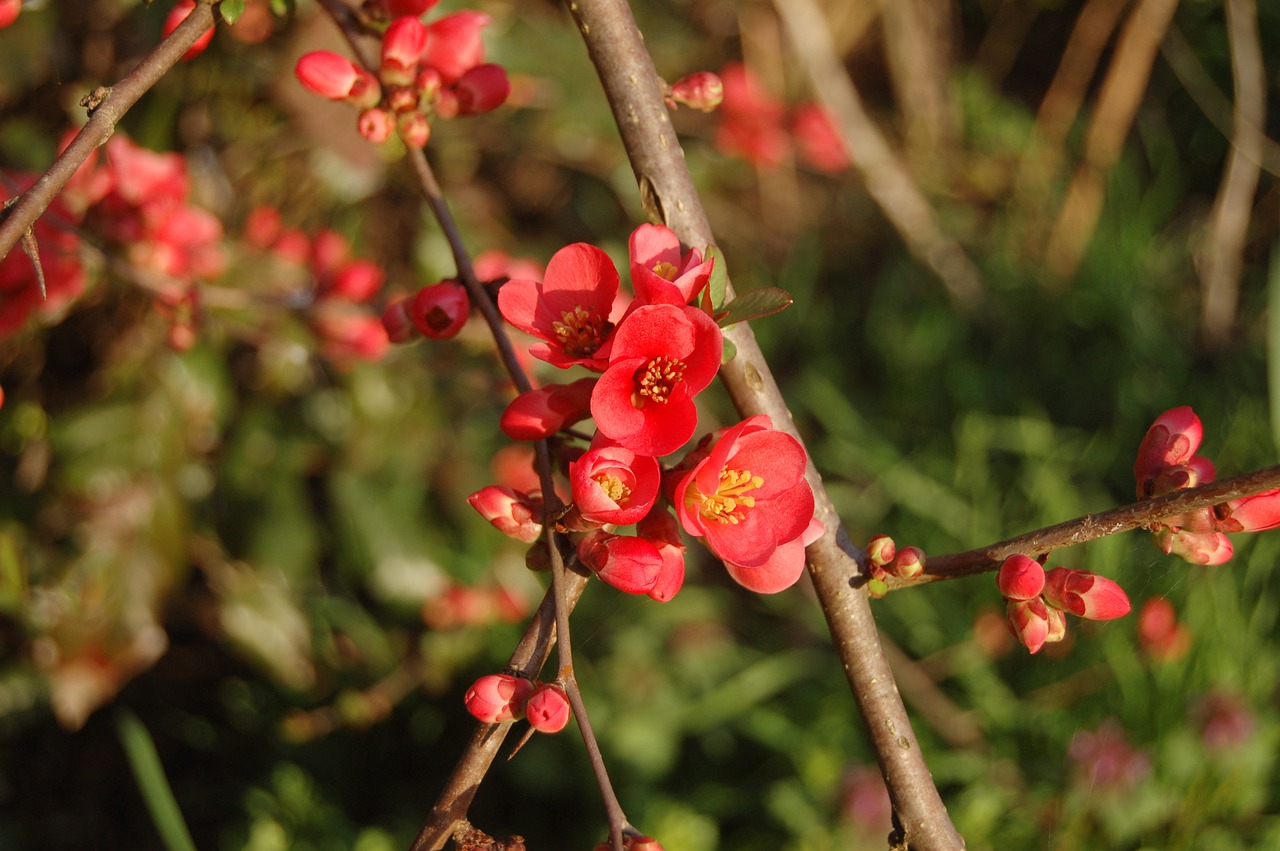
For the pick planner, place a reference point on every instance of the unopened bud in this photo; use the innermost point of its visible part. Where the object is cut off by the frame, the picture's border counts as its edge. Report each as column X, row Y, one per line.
column 1020, row 578
column 376, row 125
column 496, row 698
column 908, row 563
column 482, row 89
column 702, row 91
column 881, row 550
column 510, row 511
column 1085, row 594
column 440, row 310
column 399, row 325
column 414, row 130
column 547, row 708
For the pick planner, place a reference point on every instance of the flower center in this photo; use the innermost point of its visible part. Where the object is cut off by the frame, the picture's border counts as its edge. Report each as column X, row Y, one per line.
column 613, row 487
column 665, row 270
column 580, row 331
column 656, row 379
column 728, row 503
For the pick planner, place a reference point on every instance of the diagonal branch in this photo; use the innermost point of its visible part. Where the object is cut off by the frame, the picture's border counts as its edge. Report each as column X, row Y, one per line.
column 634, row 91
column 114, row 103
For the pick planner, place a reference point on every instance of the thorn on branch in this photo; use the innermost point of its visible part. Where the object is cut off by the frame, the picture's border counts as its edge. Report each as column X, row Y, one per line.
column 29, row 247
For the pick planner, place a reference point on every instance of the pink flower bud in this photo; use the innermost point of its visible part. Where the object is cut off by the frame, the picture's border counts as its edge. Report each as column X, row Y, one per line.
column 881, row 550
column 336, row 77
column 1057, row 625
column 482, row 89
column 401, row 99
column 440, row 310
column 497, row 698
column 1256, row 513
column 427, row 84
column 628, row 563
column 399, row 325
column 454, row 45
column 510, row 511
column 1020, row 578
column 177, row 15
column 702, row 91
column 402, row 46
column 662, row 530
column 1029, row 622
column 376, row 124
column 1207, row 548
column 414, row 131
column 547, row 708
column 9, row 10
column 1197, row 471
column 542, row 412
column 1085, row 594
column 1172, row 439
column 908, row 563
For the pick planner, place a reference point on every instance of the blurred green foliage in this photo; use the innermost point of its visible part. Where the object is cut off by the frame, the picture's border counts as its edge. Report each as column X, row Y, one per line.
column 235, row 544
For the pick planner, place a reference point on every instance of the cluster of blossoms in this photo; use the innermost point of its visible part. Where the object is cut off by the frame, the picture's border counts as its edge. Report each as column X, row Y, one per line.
column 435, row 69
column 336, row 287
column 1038, row 601
column 498, row 698
column 759, row 128
column 1167, row 462
column 741, row 490
column 884, row 559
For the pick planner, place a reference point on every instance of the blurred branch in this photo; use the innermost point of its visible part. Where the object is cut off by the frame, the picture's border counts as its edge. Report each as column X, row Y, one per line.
column 917, row 37
column 114, row 102
column 634, row 91
column 1093, row 526
column 1212, row 102
column 1122, row 92
column 886, row 178
column 1221, row 256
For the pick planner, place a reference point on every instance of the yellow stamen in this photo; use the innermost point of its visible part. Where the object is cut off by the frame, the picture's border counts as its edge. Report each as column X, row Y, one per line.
column 656, row 379
column 665, row 270
column 613, row 487
column 581, row 332
column 728, row 503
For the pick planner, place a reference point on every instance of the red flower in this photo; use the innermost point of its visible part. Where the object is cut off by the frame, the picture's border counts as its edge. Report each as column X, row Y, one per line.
column 569, row 310
column 818, row 142
column 753, row 120
column 613, row 485
column 1085, row 594
column 1171, row 441
column 454, row 46
column 9, row 10
column 748, row 499
column 1159, row 632
column 440, row 310
column 662, row 356
column 661, row 273
column 482, row 89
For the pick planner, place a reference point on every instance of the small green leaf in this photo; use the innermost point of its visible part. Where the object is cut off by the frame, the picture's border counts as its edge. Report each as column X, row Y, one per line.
column 719, row 277
column 231, row 10
column 763, row 301
column 877, row 588
column 282, row 8
column 148, row 773
column 730, row 351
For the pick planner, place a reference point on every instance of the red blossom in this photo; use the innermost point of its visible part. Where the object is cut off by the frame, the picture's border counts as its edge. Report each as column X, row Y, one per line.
column 402, row 47
column 547, row 708
column 569, row 310
column 544, row 411
column 510, row 511
column 1020, row 578
column 1256, row 513
column 613, row 485
column 818, row 142
column 750, row 502
column 662, row 356
column 753, row 120
column 482, row 89
column 661, row 271
column 454, row 45
column 628, row 563
column 9, row 10
column 1171, row 441
column 497, row 698
column 1159, row 632
column 334, row 76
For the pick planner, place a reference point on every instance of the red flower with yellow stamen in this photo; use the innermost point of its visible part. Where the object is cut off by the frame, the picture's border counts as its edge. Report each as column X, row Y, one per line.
column 661, row 273
column 749, row 500
column 612, row 484
column 661, row 357
column 569, row 310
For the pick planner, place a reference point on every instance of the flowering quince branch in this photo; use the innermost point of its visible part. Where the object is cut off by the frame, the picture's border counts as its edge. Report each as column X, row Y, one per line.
column 635, row 94
column 21, row 217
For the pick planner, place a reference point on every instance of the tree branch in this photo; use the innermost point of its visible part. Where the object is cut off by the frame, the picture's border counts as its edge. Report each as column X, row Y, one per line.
column 634, row 91
column 116, row 101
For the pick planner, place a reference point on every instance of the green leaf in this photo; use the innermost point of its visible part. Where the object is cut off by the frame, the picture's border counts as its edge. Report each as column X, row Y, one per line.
column 763, row 301
column 730, row 351
column 719, row 277
column 154, row 786
column 282, row 8
column 231, row 10
column 877, row 588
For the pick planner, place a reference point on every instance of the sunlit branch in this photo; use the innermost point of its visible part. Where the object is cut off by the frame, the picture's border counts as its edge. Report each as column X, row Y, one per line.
column 115, row 102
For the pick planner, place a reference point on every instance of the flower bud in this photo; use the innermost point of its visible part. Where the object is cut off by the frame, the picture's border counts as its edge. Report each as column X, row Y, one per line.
column 402, row 46
column 908, row 563
column 702, row 91
column 1171, row 440
column 440, row 310
column 482, row 89
column 628, row 563
column 336, row 77
column 1256, row 513
column 414, row 130
column 1085, row 594
column 401, row 99
column 542, row 412
column 454, row 45
column 496, row 698
column 399, row 325
column 177, row 15
column 1020, row 578
column 547, row 708
column 376, row 125
column 881, row 550
column 662, row 530
column 1029, row 622
column 510, row 511
column 1057, row 625
column 1196, row 547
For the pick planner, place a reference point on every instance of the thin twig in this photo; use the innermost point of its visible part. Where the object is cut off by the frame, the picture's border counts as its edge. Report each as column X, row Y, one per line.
column 1093, row 526
column 1222, row 255
column 886, row 178
column 634, row 91
column 102, row 123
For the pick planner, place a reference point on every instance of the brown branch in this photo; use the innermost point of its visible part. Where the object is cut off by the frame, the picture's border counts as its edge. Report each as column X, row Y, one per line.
column 634, row 91
column 1093, row 526
column 886, row 178
column 1222, row 255
column 117, row 100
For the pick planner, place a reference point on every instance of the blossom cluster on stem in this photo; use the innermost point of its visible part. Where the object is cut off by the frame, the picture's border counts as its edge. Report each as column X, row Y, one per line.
column 1038, row 601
